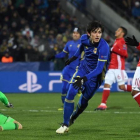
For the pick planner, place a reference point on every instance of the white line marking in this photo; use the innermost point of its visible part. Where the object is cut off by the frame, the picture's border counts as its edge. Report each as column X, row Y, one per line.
column 55, row 111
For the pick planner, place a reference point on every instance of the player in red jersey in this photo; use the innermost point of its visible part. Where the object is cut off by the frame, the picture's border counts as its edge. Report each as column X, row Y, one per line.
column 116, row 72
column 136, row 79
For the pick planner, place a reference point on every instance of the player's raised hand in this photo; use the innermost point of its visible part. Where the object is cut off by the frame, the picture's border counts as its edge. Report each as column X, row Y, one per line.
column 79, row 81
column 131, row 41
column 10, row 105
column 68, row 61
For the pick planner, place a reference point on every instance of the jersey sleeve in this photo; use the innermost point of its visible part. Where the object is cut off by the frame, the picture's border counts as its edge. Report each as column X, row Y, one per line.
column 120, row 49
column 64, row 52
column 79, row 51
column 102, row 59
column 60, row 55
column 3, row 99
column 66, row 48
column 138, row 47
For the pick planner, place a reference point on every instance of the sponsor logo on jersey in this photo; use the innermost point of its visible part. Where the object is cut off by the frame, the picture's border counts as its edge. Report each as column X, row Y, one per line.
column 103, row 56
column 95, row 50
column 118, row 77
column 124, row 47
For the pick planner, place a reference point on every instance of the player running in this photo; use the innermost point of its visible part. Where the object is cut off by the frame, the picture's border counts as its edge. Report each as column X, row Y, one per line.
column 136, row 79
column 6, row 122
column 90, row 74
column 70, row 48
column 116, row 72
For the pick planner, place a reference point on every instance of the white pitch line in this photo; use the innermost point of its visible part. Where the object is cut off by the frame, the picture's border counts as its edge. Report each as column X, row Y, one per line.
column 55, row 111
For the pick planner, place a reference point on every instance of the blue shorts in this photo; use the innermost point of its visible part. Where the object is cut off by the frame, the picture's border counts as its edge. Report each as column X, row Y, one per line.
column 89, row 87
column 67, row 73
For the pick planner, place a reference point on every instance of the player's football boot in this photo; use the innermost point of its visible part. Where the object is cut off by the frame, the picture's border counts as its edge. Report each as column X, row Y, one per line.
column 101, row 107
column 62, row 129
column 61, row 108
column 79, row 93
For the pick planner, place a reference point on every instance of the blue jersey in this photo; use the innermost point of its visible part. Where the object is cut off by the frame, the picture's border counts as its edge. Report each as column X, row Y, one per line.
column 96, row 58
column 71, row 48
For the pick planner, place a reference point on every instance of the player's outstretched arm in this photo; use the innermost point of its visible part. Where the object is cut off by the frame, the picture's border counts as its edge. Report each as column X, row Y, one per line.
column 59, row 55
column 68, row 61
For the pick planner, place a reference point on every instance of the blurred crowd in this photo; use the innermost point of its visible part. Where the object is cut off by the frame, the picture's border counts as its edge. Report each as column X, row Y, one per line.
column 130, row 7
column 31, row 30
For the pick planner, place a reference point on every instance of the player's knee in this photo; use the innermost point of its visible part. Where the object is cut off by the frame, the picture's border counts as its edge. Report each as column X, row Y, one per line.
column 122, row 87
column 82, row 106
column 64, row 90
column 134, row 92
column 106, row 85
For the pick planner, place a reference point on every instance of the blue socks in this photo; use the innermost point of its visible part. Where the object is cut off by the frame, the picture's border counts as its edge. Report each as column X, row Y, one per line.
column 68, row 110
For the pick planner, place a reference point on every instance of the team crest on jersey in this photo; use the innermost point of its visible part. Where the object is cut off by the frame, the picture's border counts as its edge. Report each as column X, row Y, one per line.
column 118, row 77
column 124, row 47
column 95, row 50
column 78, row 45
column 70, row 45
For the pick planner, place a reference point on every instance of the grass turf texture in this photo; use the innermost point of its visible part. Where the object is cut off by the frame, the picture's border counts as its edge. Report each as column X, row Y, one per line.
column 39, row 116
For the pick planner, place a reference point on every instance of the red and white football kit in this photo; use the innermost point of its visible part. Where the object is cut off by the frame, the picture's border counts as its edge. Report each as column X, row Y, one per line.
column 116, row 68
column 136, row 78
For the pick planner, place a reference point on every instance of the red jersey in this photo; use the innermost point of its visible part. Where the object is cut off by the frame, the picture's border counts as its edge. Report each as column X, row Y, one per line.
column 139, row 59
column 118, row 54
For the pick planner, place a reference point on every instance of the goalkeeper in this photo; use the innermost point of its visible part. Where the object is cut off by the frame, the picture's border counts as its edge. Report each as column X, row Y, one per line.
column 6, row 122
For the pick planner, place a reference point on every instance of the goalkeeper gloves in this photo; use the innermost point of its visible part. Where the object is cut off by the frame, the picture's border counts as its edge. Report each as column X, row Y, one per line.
column 79, row 81
column 68, row 61
column 131, row 41
column 9, row 105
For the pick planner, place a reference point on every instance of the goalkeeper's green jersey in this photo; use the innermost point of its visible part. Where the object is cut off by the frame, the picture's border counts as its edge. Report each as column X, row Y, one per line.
column 3, row 99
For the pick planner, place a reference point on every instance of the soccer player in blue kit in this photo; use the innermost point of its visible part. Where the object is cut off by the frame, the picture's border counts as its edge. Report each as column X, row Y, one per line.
column 70, row 48
column 89, row 75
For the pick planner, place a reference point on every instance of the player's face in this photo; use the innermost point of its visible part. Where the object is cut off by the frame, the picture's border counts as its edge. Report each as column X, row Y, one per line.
column 76, row 36
column 95, row 35
column 119, row 33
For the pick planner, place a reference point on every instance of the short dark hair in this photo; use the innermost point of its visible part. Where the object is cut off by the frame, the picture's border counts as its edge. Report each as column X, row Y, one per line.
column 124, row 30
column 93, row 25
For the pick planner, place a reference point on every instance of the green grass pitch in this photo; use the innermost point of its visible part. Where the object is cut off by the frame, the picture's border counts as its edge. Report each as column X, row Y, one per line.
column 39, row 116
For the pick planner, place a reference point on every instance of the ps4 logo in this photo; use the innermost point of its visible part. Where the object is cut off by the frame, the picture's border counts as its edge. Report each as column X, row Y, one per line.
column 31, row 84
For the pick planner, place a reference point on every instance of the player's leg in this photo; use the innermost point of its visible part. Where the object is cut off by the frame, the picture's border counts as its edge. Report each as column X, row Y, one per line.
column 121, row 79
column 68, row 106
column 136, row 86
column 65, row 86
column 109, row 80
column 68, row 109
column 90, row 89
column 65, row 78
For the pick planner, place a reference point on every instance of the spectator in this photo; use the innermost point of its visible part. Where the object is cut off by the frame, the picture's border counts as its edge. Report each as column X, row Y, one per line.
column 35, row 41
column 136, row 10
column 27, row 32
column 7, row 58
column 133, row 60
